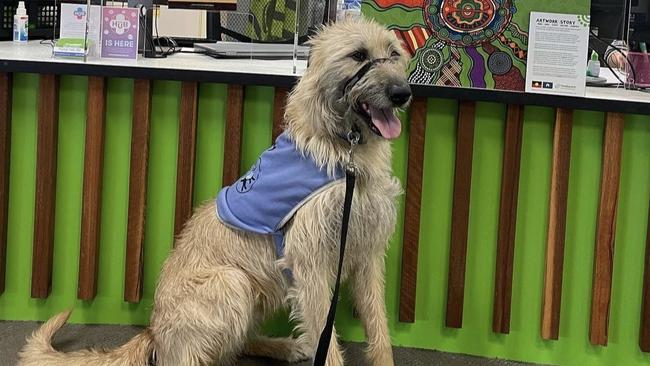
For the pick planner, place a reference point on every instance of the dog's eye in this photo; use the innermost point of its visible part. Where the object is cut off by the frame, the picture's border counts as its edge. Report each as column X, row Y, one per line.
column 359, row 56
column 394, row 54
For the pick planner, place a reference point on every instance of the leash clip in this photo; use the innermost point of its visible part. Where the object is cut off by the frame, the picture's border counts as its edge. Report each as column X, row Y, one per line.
column 353, row 138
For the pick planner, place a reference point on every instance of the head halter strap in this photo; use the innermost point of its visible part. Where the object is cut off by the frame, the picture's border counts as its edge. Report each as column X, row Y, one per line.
column 350, row 83
column 361, row 73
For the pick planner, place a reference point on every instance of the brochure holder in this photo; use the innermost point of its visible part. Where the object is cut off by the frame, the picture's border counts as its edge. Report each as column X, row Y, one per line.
column 79, row 31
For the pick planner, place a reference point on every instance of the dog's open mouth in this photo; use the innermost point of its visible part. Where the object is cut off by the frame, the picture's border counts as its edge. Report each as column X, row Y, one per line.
column 381, row 121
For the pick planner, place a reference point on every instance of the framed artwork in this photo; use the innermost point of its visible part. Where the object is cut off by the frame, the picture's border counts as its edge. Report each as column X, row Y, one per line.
column 466, row 43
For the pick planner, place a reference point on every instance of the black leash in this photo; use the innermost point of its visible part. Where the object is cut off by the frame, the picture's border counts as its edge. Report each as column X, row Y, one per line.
column 350, row 178
column 354, row 137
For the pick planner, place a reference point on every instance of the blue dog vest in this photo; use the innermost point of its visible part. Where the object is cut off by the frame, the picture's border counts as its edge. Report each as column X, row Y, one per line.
column 279, row 183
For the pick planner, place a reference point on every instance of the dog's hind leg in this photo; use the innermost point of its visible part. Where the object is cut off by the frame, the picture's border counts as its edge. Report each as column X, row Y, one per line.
column 281, row 348
column 368, row 291
column 208, row 323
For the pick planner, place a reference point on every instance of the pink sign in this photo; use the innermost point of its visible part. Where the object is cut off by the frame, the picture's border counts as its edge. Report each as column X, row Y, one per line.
column 120, row 32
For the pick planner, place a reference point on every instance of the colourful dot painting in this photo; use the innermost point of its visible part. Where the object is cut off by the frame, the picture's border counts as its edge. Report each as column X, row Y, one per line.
column 468, row 43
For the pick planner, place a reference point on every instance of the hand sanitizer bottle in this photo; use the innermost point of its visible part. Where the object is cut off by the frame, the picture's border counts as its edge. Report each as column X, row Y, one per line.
column 593, row 67
column 20, row 23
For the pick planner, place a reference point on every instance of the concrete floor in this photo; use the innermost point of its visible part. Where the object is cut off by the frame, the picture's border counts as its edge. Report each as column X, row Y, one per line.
column 72, row 337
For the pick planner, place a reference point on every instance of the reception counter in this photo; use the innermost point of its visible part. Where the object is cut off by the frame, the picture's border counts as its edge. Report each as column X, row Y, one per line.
column 522, row 232
column 36, row 58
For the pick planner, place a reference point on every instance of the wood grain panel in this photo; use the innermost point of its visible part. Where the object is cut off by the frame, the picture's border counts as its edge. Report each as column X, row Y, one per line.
column 5, row 152
column 413, row 199
column 606, row 229
column 233, row 138
column 644, row 333
column 507, row 219
column 48, row 121
column 137, row 190
column 279, row 104
column 92, row 189
column 552, row 297
column 186, row 153
column 460, row 214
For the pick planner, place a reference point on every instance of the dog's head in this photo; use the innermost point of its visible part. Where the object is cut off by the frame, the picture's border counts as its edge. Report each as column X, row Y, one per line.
column 358, row 70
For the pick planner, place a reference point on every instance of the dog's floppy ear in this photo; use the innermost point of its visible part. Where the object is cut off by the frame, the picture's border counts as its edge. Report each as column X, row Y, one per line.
column 312, row 41
column 310, row 44
column 314, row 38
column 309, row 57
column 316, row 34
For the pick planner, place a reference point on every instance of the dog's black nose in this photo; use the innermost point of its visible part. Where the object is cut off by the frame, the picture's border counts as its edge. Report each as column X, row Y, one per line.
column 399, row 94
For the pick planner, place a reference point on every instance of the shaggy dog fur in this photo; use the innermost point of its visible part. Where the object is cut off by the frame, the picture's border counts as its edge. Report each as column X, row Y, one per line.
column 219, row 284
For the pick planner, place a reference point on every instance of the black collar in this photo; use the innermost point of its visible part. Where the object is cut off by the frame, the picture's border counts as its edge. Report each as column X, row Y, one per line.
column 355, row 128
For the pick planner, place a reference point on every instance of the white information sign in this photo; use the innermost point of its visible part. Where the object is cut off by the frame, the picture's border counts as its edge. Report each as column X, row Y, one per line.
column 557, row 54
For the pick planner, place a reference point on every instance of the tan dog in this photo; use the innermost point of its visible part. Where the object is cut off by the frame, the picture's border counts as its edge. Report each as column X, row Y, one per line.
column 219, row 284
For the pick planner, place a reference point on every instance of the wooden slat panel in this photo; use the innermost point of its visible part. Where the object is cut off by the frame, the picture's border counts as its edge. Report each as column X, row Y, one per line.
column 644, row 334
column 606, row 229
column 5, row 151
column 48, row 120
column 279, row 104
column 412, row 211
column 460, row 214
column 92, row 191
column 186, row 153
column 507, row 219
column 232, row 143
column 557, row 224
column 137, row 190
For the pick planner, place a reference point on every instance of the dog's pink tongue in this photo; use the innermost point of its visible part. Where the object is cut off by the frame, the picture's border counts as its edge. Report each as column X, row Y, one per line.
column 386, row 121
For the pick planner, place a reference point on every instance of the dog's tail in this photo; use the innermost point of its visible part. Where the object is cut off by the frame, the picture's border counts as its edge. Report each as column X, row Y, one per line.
column 39, row 350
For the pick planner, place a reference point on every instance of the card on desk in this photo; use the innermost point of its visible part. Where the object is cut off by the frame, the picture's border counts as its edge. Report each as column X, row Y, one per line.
column 120, row 28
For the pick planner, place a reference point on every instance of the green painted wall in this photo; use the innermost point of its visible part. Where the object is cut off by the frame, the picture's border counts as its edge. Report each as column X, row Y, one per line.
column 476, row 337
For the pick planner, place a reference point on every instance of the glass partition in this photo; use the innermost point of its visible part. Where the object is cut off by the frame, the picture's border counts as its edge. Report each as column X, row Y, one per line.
column 282, row 26
column 620, row 34
column 253, row 29
column 638, row 65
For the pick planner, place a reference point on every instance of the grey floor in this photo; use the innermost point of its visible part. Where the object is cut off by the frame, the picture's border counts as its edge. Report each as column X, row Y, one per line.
column 72, row 337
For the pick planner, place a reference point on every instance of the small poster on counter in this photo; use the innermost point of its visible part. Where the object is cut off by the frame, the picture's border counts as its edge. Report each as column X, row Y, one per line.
column 557, row 54
column 120, row 32
column 73, row 30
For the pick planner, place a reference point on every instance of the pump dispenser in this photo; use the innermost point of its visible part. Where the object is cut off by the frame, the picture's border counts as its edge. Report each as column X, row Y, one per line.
column 21, row 23
column 593, row 67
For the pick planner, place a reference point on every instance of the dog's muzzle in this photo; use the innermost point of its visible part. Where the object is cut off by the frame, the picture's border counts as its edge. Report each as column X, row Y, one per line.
column 380, row 121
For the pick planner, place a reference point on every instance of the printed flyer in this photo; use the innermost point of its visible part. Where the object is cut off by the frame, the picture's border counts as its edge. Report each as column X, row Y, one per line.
column 73, row 31
column 557, row 54
column 120, row 33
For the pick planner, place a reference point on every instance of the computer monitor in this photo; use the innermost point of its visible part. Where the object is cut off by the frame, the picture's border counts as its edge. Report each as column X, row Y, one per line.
column 203, row 4
column 639, row 23
column 264, row 21
column 627, row 20
column 609, row 18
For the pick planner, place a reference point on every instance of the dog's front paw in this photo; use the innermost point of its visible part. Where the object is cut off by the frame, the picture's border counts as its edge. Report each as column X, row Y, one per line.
column 299, row 353
column 381, row 358
column 285, row 349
